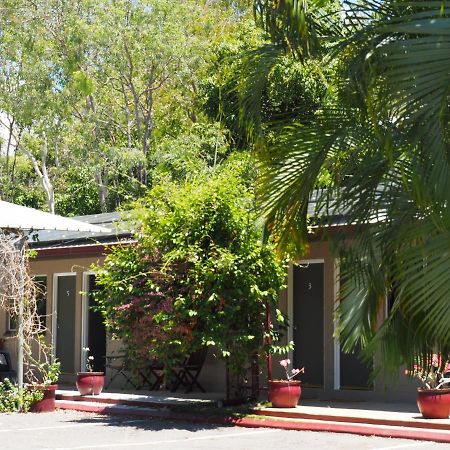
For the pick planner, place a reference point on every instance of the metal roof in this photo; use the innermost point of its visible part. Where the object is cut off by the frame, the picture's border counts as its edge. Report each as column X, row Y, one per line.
column 52, row 238
column 17, row 217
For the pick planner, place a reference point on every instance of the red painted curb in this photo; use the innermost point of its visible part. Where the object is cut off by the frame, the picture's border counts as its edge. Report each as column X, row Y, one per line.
column 429, row 425
column 299, row 424
column 352, row 428
column 295, row 414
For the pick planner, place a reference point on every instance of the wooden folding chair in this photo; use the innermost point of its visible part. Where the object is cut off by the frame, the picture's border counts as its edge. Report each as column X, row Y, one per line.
column 118, row 366
column 186, row 374
column 153, row 370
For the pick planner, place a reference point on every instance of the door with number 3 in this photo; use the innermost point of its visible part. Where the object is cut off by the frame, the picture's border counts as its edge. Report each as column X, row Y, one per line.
column 308, row 322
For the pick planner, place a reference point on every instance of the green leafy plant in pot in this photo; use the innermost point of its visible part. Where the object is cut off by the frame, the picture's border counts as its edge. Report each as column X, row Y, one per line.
column 13, row 399
column 49, row 374
column 42, row 375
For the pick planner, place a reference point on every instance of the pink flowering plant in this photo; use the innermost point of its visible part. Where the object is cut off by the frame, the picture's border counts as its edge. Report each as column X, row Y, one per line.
column 433, row 373
column 294, row 372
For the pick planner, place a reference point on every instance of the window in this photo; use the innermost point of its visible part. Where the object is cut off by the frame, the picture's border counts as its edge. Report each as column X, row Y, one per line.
column 41, row 299
column 11, row 323
column 41, row 306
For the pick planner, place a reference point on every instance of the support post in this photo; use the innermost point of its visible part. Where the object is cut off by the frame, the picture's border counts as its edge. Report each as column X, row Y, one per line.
column 20, row 345
column 269, row 342
column 227, row 374
column 255, row 377
column 20, row 244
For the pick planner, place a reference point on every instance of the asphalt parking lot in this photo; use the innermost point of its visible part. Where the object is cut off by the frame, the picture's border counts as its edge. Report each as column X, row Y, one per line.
column 72, row 430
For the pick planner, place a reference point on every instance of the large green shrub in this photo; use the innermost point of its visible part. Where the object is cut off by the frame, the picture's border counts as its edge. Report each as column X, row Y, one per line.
column 198, row 274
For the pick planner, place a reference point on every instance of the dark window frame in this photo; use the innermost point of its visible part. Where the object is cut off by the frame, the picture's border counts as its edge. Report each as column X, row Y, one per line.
column 11, row 318
column 41, row 299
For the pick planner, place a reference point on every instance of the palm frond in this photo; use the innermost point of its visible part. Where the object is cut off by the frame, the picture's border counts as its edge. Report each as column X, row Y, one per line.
column 252, row 77
column 301, row 26
column 385, row 141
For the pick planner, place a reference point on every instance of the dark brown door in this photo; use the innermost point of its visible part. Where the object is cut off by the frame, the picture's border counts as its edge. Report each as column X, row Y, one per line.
column 354, row 372
column 65, row 322
column 96, row 331
column 309, row 322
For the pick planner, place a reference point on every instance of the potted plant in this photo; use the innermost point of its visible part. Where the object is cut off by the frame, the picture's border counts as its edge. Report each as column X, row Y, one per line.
column 286, row 393
column 13, row 398
column 433, row 399
column 49, row 374
column 90, row 382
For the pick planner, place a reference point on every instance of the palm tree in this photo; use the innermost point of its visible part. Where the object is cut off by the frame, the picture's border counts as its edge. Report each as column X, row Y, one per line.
column 383, row 139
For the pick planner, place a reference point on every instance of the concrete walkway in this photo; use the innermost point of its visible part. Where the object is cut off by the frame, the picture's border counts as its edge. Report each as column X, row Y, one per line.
column 363, row 418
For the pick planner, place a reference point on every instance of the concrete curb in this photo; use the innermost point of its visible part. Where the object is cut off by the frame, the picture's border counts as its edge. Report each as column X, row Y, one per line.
column 110, row 401
column 424, row 423
column 266, row 422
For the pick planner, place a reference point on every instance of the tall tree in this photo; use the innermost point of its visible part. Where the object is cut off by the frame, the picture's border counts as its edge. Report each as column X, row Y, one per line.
column 33, row 97
column 107, row 84
column 383, row 139
column 139, row 74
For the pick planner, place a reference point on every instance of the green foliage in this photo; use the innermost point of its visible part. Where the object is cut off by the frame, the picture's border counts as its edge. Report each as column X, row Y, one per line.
column 379, row 147
column 21, row 186
column 194, row 150
column 217, row 89
column 294, row 90
column 198, row 275
column 302, row 27
column 102, row 96
column 283, row 88
column 76, row 192
column 49, row 371
column 13, row 399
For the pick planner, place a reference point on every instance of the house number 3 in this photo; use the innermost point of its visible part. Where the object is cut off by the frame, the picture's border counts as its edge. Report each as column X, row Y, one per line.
column 309, row 286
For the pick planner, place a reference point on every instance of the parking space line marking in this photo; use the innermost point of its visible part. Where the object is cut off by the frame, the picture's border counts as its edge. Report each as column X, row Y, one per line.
column 415, row 444
column 71, row 425
column 169, row 441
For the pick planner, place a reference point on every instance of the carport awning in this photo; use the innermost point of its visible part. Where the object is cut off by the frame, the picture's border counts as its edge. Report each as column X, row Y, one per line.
column 22, row 218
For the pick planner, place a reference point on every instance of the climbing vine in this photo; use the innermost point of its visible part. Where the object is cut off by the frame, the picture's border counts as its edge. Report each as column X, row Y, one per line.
column 198, row 274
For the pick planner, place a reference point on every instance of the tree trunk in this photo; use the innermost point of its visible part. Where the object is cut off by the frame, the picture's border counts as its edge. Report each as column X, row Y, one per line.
column 8, row 145
column 42, row 173
column 102, row 191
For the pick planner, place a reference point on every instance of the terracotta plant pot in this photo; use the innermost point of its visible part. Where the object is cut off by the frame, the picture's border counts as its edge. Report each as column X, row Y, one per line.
column 284, row 394
column 90, row 383
column 434, row 403
column 47, row 404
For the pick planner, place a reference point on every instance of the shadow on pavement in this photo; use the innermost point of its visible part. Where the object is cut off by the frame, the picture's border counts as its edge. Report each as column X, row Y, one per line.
column 149, row 424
